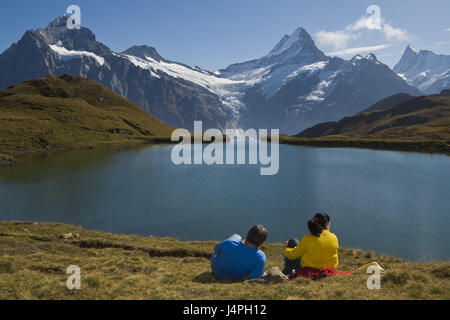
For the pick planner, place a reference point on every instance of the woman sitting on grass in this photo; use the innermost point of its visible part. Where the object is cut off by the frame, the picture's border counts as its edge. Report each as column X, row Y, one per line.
column 316, row 254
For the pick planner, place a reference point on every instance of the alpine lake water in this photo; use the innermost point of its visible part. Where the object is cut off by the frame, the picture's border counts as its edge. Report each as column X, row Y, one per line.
column 396, row 203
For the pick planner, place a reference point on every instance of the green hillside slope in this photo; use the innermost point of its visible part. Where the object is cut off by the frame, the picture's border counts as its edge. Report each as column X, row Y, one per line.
column 54, row 113
column 420, row 118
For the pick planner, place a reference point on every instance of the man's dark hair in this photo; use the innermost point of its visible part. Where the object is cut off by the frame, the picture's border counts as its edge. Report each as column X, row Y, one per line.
column 256, row 235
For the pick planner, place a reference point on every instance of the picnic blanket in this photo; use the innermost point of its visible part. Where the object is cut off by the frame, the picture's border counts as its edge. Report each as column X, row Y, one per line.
column 274, row 275
column 316, row 273
column 326, row 272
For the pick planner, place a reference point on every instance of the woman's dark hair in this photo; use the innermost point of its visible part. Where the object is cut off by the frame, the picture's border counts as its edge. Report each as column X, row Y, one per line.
column 318, row 223
column 257, row 235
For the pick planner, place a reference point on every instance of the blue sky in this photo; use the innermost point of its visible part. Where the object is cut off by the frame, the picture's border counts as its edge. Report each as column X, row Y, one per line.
column 215, row 33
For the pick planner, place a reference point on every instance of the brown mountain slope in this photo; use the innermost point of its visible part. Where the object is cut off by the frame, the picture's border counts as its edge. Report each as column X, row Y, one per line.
column 69, row 112
column 389, row 102
column 420, row 118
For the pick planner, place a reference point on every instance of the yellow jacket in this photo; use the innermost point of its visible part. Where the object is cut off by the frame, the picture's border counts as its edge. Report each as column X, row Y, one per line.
column 316, row 252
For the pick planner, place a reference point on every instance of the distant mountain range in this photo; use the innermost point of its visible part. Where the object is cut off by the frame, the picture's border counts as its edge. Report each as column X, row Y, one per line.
column 293, row 87
column 397, row 117
column 424, row 70
column 164, row 93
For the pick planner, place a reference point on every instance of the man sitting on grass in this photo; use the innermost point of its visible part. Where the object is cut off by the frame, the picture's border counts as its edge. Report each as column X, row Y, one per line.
column 237, row 259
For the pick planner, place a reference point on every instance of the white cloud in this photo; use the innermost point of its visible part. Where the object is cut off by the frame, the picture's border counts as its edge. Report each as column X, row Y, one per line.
column 389, row 31
column 442, row 43
column 336, row 40
column 392, row 33
column 339, row 40
column 445, row 30
column 359, row 50
column 358, row 25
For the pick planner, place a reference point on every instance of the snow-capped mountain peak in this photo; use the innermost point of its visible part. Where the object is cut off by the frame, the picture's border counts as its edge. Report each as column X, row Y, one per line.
column 83, row 39
column 299, row 37
column 424, row 69
column 59, row 22
column 294, row 86
column 371, row 56
column 144, row 52
column 411, row 50
column 297, row 50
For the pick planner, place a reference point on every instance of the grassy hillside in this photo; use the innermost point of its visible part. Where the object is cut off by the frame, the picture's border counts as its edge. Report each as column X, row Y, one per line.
column 34, row 258
column 54, row 113
column 424, row 118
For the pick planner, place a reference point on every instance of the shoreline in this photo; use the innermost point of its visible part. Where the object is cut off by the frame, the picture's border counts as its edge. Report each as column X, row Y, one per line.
column 18, row 156
column 429, row 147
column 126, row 235
column 36, row 255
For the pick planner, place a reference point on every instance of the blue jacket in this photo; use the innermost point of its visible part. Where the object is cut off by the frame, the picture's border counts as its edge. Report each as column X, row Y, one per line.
column 234, row 260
